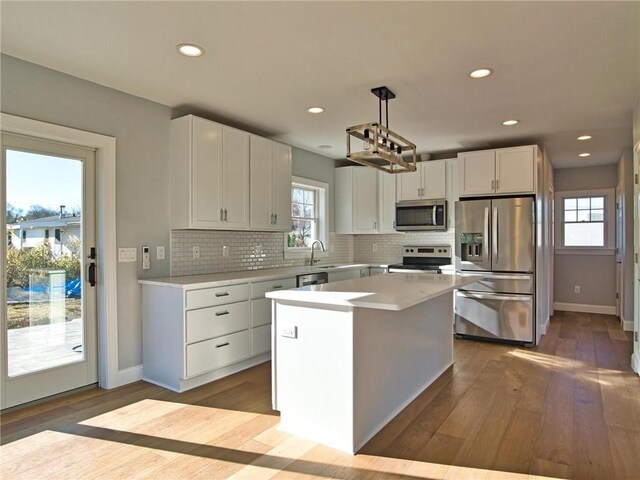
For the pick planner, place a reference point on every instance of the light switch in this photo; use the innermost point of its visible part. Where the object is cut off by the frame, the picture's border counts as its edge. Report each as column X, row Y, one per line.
column 159, row 253
column 127, row 254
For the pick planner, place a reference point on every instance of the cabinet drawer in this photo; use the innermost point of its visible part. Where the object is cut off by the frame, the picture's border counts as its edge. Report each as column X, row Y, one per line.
column 210, row 297
column 260, row 312
column 258, row 289
column 215, row 321
column 261, row 339
column 217, row 352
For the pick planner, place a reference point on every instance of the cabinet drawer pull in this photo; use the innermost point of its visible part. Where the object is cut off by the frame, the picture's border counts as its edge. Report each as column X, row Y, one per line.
column 277, row 286
column 225, row 294
column 219, row 314
column 222, row 345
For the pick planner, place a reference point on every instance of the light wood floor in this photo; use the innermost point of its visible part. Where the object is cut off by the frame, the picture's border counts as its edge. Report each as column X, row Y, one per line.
column 568, row 409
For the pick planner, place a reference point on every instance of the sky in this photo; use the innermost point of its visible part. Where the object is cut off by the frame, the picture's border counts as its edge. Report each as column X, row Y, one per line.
column 34, row 179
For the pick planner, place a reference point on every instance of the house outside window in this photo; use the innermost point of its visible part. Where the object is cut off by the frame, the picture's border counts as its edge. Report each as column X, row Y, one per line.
column 46, row 234
column 24, row 235
column 309, row 217
column 58, row 234
column 586, row 221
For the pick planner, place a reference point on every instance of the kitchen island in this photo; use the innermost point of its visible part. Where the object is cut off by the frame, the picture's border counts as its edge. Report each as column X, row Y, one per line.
column 349, row 356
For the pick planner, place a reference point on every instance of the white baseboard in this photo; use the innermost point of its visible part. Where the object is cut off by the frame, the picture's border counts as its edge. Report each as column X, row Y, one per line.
column 544, row 328
column 129, row 375
column 584, row 308
column 635, row 363
column 627, row 325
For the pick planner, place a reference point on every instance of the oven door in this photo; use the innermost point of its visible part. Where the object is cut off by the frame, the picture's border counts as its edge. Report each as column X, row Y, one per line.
column 421, row 215
column 495, row 315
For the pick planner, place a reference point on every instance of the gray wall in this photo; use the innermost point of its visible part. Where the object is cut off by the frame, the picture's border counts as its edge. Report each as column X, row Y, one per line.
column 141, row 129
column 625, row 176
column 596, row 274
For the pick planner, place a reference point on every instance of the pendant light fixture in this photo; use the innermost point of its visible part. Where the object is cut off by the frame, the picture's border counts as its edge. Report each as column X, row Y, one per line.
column 382, row 148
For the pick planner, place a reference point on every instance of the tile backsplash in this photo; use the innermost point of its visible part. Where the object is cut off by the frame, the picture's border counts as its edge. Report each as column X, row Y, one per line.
column 389, row 247
column 246, row 251
column 257, row 250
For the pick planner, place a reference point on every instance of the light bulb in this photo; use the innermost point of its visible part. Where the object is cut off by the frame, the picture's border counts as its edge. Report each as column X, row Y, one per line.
column 366, row 143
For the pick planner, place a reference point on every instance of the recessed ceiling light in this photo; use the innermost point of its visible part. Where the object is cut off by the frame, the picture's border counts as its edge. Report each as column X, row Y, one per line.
column 584, row 137
column 315, row 109
column 481, row 73
column 325, row 147
column 510, row 122
column 190, row 50
column 585, row 154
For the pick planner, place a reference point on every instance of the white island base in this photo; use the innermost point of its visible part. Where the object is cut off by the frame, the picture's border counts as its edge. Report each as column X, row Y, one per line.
column 342, row 372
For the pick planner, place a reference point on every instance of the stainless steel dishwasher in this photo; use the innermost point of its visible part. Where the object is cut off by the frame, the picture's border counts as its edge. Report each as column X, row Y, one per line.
column 312, row 279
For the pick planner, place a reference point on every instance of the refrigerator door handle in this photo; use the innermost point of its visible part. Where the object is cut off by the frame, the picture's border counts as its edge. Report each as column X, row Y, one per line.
column 494, row 235
column 485, row 249
column 490, row 296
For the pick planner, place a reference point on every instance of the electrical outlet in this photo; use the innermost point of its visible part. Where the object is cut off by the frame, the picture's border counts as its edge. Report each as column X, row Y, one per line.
column 374, row 247
column 576, row 289
column 225, row 251
column 196, row 251
column 159, row 253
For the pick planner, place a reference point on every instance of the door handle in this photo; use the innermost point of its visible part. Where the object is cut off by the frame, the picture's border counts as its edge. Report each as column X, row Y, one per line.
column 92, row 274
column 494, row 235
column 485, row 239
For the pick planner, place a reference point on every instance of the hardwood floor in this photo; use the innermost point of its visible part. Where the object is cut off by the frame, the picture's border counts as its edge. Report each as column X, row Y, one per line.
column 569, row 408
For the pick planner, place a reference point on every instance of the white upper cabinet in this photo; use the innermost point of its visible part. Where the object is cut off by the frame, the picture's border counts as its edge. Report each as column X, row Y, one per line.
column 270, row 183
column 216, row 170
column 514, row 170
column 235, row 174
column 496, row 172
column 365, row 201
column 428, row 182
column 386, row 203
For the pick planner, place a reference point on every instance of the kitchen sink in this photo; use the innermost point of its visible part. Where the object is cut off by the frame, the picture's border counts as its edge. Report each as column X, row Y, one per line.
column 326, row 266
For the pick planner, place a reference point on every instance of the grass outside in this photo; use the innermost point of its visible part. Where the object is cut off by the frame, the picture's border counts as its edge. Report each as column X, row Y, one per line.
column 18, row 313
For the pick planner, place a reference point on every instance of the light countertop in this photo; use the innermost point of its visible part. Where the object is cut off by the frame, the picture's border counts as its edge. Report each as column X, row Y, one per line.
column 229, row 278
column 395, row 291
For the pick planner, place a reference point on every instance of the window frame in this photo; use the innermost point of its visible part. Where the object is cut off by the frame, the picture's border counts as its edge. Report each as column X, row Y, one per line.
column 609, row 211
column 322, row 211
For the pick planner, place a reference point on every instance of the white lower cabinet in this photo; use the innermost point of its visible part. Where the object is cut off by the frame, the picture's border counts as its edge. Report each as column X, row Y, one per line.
column 338, row 275
column 192, row 335
column 217, row 352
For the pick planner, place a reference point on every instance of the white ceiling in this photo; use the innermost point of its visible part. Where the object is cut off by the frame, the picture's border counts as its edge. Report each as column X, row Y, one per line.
column 562, row 68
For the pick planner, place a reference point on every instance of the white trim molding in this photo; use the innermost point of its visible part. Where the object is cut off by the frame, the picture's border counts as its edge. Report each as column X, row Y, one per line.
column 129, row 375
column 105, row 147
column 627, row 325
column 585, row 308
column 635, row 363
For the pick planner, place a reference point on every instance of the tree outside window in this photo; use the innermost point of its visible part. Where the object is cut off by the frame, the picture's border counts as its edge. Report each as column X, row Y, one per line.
column 304, row 217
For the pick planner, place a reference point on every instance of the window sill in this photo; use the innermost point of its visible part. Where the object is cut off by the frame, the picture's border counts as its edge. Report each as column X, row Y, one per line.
column 585, row 251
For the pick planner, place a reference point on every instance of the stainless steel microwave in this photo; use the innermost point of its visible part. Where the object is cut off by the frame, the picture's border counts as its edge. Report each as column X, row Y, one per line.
column 421, row 215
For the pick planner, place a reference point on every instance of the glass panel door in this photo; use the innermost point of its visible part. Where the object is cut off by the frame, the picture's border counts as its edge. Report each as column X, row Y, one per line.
column 50, row 327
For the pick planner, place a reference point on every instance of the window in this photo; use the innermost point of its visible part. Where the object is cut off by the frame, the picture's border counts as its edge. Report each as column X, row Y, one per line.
column 587, row 220
column 46, row 234
column 24, row 234
column 58, row 234
column 304, row 217
column 309, row 219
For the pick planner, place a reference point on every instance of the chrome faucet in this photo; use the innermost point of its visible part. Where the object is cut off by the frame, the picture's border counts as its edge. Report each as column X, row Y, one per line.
column 314, row 261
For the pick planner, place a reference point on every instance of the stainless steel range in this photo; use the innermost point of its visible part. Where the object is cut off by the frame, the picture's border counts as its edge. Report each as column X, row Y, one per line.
column 422, row 259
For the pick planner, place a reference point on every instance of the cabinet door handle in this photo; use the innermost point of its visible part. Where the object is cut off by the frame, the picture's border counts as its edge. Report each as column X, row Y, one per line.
column 493, row 182
column 275, row 218
column 271, row 222
column 225, row 294
column 498, row 184
column 277, row 286
column 225, row 214
column 221, row 215
column 222, row 345
column 220, row 314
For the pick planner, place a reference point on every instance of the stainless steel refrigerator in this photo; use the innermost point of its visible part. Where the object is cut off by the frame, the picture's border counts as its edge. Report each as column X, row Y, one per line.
column 496, row 238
